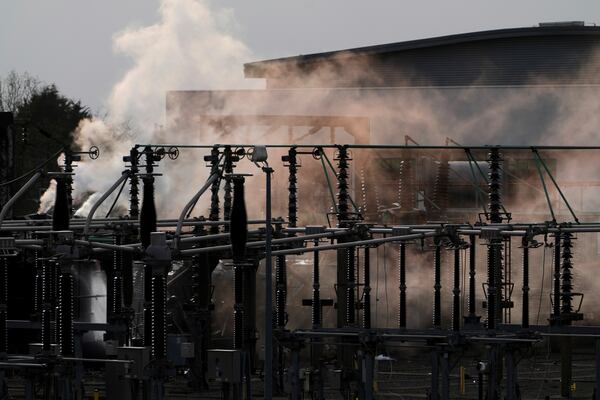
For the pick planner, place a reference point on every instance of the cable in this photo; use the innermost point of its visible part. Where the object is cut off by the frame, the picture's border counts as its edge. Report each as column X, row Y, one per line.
column 35, row 169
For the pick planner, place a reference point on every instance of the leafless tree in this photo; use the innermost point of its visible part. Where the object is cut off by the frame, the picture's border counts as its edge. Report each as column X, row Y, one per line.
column 16, row 89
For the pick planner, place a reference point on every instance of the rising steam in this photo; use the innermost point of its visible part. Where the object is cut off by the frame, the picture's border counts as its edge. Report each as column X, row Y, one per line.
column 192, row 46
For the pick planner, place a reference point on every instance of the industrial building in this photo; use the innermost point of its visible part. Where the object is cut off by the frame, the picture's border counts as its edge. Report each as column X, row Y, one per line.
column 410, row 220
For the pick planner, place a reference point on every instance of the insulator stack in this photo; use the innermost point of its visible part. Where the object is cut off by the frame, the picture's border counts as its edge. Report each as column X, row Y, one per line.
column 556, row 290
column 68, row 178
column 472, row 275
column 494, row 185
column 495, row 270
column 39, row 285
column 363, row 192
column 280, row 290
column 292, row 160
column 214, row 190
column 117, row 286
column 159, row 318
column 64, row 317
column 407, row 195
column 402, row 285
column 367, row 296
column 227, row 188
column 440, row 194
column 566, row 287
column 342, row 186
column 350, row 287
column 3, row 306
column 134, row 202
column 437, row 286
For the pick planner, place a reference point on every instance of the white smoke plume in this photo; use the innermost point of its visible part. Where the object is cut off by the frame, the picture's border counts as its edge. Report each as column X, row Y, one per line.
column 47, row 199
column 192, row 46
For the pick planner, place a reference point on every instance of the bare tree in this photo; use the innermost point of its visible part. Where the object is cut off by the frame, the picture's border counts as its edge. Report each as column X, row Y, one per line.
column 16, row 89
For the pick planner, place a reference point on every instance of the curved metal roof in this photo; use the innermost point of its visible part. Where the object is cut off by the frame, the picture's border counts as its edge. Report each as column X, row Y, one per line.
column 261, row 69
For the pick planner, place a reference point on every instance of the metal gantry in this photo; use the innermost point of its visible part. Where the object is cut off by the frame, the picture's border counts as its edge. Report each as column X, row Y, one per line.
column 61, row 243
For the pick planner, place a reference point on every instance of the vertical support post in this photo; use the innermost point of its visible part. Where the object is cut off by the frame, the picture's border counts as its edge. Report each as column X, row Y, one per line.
column 597, row 387
column 491, row 297
column 368, row 371
column 456, row 292
column 295, row 371
column 511, row 375
column 445, row 376
column 367, row 290
column 402, row 268
column 437, row 286
column 472, row 318
column 3, row 307
column 525, row 311
column 316, row 293
column 492, row 392
column 435, row 375
column 269, row 287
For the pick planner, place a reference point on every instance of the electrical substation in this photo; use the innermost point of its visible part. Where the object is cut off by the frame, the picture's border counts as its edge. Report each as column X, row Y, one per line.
column 342, row 260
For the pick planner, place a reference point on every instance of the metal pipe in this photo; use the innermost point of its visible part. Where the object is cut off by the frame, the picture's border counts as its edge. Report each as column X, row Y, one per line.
column 358, row 243
column 90, row 216
column 261, row 243
column 189, row 205
column 18, row 195
column 109, row 246
column 375, row 146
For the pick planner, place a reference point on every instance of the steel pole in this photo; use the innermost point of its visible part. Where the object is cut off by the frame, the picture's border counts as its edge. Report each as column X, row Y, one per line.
column 269, row 295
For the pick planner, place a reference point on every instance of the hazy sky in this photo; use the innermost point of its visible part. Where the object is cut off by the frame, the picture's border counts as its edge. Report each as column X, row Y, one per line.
column 69, row 42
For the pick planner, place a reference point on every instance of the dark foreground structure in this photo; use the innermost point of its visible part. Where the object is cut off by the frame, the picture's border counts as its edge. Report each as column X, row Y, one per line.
column 354, row 263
